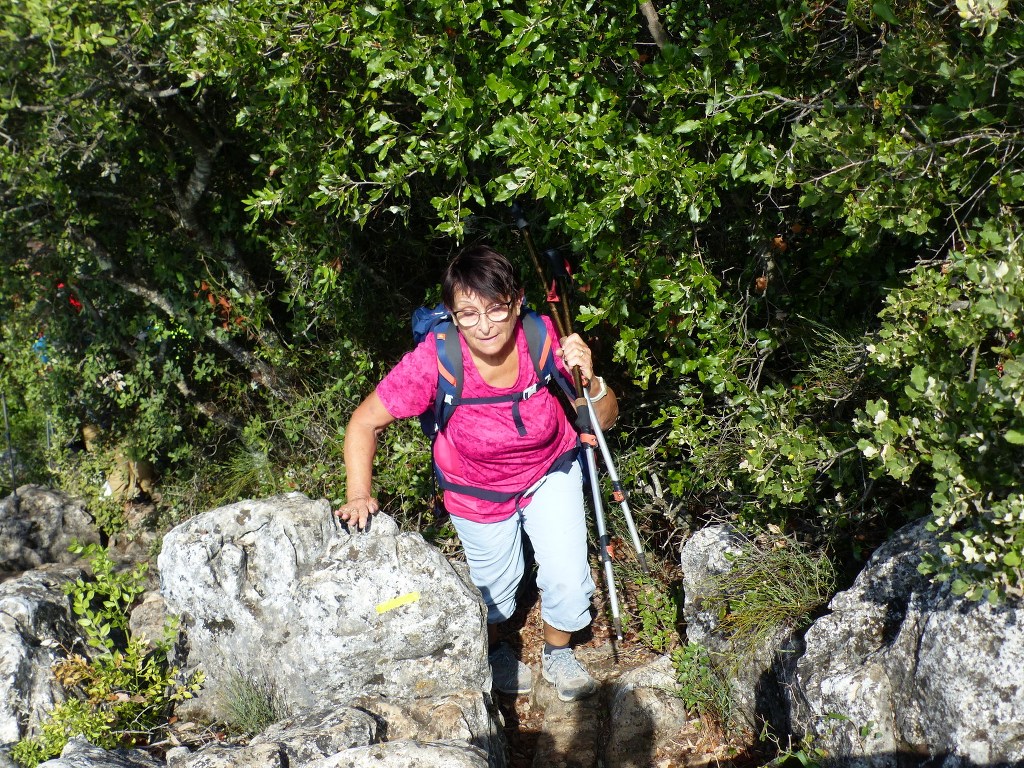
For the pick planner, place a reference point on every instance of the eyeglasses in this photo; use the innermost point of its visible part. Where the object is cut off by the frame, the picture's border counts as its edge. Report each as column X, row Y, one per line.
column 496, row 313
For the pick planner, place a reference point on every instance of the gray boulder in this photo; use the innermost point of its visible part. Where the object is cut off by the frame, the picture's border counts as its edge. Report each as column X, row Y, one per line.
column 79, row 753
column 902, row 670
column 703, row 558
column 40, row 527
column 406, row 754
column 149, row 618
column 753, row 673
column 457, row 717
column 36, row 628
column 265, row 755
column 645, row 715
column 322, row 733
column 273, row 591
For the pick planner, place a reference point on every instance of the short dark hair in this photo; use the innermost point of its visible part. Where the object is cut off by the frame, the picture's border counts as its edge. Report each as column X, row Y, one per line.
column 480, row 270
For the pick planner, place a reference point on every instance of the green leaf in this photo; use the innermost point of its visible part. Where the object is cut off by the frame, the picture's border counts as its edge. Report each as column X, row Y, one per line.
column 919, row 378
column 738, row 164
column 884, row 12
column 687, row 126
column 1015, row 437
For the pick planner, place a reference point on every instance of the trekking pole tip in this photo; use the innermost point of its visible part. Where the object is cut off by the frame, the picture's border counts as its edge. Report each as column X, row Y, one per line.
column 643, row 562
column 617, row 626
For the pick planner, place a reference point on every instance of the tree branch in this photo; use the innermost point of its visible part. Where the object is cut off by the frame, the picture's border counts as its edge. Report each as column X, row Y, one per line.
column 260, row 372
column 654, row 23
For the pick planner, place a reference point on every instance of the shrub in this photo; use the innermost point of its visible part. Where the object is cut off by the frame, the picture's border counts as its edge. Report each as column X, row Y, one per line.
column 702, row 686
column 953, row 337
column 122, row 695
column 657, row 608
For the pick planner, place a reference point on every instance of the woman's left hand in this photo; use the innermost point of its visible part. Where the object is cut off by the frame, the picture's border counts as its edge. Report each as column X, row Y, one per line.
column 575, row 352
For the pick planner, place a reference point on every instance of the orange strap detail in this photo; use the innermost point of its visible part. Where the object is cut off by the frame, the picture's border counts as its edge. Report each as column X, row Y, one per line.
column 543, row 360
column 448, row 375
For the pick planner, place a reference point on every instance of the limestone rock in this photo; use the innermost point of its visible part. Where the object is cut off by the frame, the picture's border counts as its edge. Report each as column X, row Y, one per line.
column 323, row 733
column 272, row 590
column 265, row 755
column 320, row 733
column 464, row 717
column 406, row 754
column 79, row 753
column 704, row 557
column 148, row 618
column 392, row 754
column 753, row 672
column 572, row 729
column 914, row 670
column 644, row 715
column 40, row 527
column 36, row 624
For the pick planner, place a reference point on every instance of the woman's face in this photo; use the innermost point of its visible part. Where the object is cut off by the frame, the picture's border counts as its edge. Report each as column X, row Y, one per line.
column 490, row 340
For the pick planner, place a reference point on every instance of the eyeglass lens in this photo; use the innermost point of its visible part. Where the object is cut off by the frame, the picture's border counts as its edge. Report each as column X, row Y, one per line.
column 497, row 313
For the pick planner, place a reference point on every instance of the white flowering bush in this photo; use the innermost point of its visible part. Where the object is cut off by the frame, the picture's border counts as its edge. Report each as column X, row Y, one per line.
column 954, row 334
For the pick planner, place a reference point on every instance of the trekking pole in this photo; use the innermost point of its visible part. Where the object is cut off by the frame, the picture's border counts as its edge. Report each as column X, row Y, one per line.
column 10, row 451
column 603, row 540
column 584, row 424
column 564, row 325
column 618, row 494
column 550, row 295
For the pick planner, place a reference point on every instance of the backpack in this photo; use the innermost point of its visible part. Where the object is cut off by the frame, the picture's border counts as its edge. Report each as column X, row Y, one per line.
column 450, row 378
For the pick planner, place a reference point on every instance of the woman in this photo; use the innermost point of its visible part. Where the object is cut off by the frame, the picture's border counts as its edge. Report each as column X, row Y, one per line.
column 526, row 458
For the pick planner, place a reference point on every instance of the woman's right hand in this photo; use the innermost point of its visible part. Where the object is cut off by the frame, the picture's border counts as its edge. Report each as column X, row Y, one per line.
column 358, row 511
column 367, row 422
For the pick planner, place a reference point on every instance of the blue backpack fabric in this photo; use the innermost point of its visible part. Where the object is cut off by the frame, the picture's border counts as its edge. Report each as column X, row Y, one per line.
column 437, row 321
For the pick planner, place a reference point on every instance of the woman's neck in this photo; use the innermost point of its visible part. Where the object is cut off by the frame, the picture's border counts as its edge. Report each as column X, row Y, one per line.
column 501, row 370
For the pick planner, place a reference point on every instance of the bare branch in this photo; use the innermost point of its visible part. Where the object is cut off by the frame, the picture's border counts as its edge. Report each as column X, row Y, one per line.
column 209, row 410
column 260, row 372
column 654, row 23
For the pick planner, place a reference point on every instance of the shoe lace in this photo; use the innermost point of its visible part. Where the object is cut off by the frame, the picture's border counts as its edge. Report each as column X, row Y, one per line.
column 565, row 664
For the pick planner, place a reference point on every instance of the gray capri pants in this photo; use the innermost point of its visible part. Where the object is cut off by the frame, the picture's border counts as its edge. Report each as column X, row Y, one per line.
column 555, row 521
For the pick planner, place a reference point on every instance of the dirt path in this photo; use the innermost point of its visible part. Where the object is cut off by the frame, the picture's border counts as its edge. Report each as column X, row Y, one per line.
column 543, row 732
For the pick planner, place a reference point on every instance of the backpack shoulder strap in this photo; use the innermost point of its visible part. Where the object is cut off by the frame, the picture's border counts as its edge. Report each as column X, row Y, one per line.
column 542, row 352
column 450, row 377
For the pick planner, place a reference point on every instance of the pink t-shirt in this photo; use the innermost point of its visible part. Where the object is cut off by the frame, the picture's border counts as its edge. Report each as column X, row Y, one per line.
column 481, row 446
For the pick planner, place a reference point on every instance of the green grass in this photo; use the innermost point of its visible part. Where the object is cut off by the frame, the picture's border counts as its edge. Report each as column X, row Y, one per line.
column 775, row 583
column 251, row 705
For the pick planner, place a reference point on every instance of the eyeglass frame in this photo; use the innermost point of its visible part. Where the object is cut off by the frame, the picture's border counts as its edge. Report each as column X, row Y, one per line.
column 507, row 305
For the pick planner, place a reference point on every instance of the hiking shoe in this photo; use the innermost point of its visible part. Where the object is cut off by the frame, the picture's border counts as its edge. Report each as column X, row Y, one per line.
column 562, row 670
column 509, row 674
